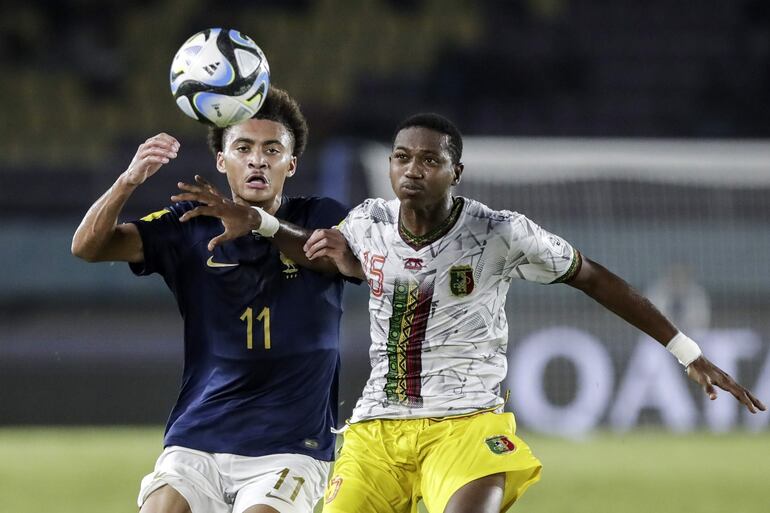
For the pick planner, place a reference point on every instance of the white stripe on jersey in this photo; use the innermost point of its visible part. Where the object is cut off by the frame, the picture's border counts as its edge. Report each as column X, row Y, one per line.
column 438, row 326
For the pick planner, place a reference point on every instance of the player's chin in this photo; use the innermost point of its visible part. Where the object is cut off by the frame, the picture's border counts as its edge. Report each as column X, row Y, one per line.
column 410, row 194
column 253, row 195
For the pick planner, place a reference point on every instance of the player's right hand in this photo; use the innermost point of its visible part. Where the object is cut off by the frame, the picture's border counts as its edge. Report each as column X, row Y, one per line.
column 150, row 156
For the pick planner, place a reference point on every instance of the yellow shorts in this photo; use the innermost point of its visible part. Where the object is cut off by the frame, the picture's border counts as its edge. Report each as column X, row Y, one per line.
column 388, row 465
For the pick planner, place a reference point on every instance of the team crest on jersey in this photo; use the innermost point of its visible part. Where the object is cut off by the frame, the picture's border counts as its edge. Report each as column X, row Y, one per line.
column 333, row 489
column 290, row 268
column 500, row 444
column 461, row 280
column 413, row 264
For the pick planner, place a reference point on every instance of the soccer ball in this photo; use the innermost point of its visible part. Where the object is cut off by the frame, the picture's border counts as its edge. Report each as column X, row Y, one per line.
column 219, row 76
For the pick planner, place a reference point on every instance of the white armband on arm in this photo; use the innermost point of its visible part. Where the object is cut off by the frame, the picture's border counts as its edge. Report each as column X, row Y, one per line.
column 269, row 225
column 684, row 348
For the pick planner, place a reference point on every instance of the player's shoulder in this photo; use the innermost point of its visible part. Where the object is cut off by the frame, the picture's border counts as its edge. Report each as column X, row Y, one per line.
column 376, row 210
column 313, row 202
column 174, row 211
column 476, row 210
column 294, row 208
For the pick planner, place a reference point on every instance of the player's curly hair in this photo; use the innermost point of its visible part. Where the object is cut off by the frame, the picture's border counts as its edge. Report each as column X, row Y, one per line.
column 278, row 107
column 440, row 124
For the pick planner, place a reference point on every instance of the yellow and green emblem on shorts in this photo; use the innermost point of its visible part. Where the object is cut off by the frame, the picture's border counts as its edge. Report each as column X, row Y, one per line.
column 500, row 444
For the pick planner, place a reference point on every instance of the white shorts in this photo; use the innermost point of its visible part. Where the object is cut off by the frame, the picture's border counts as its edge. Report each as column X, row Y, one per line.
column 228, row 483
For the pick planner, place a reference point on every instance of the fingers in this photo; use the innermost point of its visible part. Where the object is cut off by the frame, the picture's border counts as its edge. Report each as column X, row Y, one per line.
column 161, row 146
column 150, row 156
column 190, row 196
column 312, row 252
column 324, row 252
column 207, row 185
column 190, row 187
column 741, row 394
column 203, row 182
column 219, row 239
column 709, row 389
column 319, row 244
column 314, row 237
column 331, row 237
column 163, row 139
column 699, row 372
column 756, row 402
column 712, row 375
column 197, row 211
column 206, row 195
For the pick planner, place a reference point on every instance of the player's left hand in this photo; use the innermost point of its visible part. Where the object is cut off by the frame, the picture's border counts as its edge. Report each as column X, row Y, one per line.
column 330, row 243
column 237, row 220
column 708, row 375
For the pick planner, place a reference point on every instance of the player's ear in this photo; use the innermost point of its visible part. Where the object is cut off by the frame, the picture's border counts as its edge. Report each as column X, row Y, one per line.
column 221, row 163
column 292, row 166
column 458, row 171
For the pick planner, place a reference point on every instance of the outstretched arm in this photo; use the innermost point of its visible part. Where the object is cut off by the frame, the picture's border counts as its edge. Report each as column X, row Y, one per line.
column 619, row 297
column 239, row 220
column 99, row 237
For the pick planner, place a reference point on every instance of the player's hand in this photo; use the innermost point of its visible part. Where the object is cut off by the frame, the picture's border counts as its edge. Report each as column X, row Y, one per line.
column 330, row 243
column 150, row 156
column 237, row 220
column 708, row 375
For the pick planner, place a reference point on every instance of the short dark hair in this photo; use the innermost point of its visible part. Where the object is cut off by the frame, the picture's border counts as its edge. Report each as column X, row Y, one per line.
column 278, row 107
column 440, row 124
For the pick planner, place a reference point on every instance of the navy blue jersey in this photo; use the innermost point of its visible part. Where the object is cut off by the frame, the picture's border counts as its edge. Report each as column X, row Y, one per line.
column 261, row 356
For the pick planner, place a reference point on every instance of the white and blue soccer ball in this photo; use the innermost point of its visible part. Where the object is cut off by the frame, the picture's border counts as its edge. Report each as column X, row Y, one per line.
column 220, row 76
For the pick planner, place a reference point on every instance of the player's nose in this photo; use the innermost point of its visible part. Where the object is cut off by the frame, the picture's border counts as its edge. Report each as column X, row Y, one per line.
column 257, row 160
column 412, row 170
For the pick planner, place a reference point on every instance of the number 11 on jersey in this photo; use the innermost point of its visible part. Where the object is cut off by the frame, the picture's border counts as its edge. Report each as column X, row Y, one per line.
column 264, row 317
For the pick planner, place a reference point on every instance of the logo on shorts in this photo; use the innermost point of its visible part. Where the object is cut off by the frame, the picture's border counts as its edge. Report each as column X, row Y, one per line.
column 333, row 489
column 461, row 280
column 500, row 444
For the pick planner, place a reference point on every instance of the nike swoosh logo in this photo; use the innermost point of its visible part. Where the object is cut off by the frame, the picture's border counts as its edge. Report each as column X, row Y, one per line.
column 210, row 262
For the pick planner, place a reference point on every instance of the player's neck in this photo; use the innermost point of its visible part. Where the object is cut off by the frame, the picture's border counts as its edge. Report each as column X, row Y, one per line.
column 270, row 206
column 424, row 219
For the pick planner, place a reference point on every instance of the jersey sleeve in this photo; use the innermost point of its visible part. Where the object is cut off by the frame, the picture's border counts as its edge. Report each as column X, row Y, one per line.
column 162, row 235
column 538, row 255
column 352, row 227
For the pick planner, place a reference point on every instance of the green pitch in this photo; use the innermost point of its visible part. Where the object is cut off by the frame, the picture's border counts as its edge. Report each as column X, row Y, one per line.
column 98, row 471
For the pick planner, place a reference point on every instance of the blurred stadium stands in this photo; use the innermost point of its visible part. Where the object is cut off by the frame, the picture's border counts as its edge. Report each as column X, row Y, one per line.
column 84, row 82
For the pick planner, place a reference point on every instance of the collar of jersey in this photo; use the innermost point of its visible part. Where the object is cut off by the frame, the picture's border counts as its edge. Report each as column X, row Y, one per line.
column 420, row 241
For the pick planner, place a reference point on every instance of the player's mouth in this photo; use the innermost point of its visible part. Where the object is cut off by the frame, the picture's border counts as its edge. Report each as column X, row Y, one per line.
column 257, row 181
column 411, row 187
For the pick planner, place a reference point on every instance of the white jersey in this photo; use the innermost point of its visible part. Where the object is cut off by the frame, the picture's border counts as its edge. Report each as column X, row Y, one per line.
column 437, row 312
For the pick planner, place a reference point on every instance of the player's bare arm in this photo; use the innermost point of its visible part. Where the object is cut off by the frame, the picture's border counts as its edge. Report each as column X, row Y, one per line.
column 99, row 237
column 239, row 220
column 616, row 295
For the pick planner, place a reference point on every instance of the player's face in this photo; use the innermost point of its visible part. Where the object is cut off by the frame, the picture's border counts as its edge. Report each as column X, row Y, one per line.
column 421, row 169
column 256, row 157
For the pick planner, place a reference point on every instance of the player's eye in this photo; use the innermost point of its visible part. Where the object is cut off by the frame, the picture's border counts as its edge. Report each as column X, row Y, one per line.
column 243, row 148
column 431, row 161
column 401, row 156
column 272, row 150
